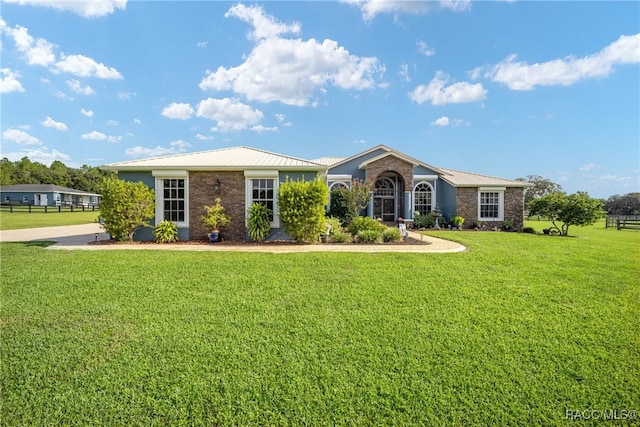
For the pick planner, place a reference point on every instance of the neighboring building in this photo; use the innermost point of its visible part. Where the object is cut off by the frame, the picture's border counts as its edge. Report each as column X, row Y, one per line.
column 47, row 195
column 185, row 183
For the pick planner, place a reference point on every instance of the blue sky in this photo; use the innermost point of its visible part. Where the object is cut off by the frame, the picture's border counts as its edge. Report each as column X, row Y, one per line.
column 506, row 89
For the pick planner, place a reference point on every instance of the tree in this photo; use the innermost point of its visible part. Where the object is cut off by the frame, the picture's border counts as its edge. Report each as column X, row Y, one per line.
column 575, row 209
column 346, row 203
column 126, row 206
column 627, row 204
column 540, row 187
column 301, row 205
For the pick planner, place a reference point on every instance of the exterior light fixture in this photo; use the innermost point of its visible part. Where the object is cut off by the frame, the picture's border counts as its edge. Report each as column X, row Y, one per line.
column 216, row 187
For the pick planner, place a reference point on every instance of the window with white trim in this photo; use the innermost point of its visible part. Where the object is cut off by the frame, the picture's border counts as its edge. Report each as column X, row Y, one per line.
column 172, row 197
column 263, row 192
column 340, row 185
column 423, row 198
column 491, row 204
column 262, row 187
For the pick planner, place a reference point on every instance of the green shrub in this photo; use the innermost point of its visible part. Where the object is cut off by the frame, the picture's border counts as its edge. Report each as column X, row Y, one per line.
column 302, row 208
column 457, row 221
column 166, row 232
column 347, row 203
column 369, row 236
column 125, row 207
column 215, row 217
column 259, row 222
column 341, row 237
column 391, row 234
column 339, row 206
column 365, row 223
column 423, row 221
column 530, row 230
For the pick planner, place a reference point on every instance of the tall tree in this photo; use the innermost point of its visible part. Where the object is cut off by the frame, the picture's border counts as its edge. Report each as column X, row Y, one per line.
column 540, row 187
column 627, row 204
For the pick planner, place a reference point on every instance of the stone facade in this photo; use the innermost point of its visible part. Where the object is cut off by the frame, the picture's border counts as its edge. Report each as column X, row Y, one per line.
column 232, row 196
column 467, row 207
column 391, row 164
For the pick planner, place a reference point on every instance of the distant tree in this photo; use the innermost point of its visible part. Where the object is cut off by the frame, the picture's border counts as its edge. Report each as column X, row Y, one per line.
column 627, row 204
column 7, row 172
column 575, row 209
column 126, row 206
column 540, row 187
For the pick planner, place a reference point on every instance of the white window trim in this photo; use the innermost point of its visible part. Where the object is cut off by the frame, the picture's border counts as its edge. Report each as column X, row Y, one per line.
column 160, row 176
column 432, row 184
column 500, row 191
column 345, row 183
column 250, row 175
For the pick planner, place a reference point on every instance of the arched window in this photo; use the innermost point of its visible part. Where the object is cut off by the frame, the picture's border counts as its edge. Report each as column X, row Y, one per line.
column 339, row 186
column 385, row 187
column 423, row 198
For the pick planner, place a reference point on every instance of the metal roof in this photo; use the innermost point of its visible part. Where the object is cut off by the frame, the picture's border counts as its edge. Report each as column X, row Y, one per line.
column 328, row 161
column 467, row 179
column 43, row 188
column 232, row 158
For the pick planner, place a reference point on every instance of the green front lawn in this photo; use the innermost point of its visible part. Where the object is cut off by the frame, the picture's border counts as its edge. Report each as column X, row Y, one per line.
column 516, row 331
column 21, row 218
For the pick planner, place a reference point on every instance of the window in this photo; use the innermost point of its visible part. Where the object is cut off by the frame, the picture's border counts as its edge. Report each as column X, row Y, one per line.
column 172, row 197
column 491, row 204
column 262, row 191
column 339, row 186
column 173, row 200
column 262, row 187
column 7, row 199
column 423, row 197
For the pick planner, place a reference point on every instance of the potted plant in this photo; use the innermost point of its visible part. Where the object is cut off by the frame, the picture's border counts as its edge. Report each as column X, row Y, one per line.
column 457, row 221
column 214, row 219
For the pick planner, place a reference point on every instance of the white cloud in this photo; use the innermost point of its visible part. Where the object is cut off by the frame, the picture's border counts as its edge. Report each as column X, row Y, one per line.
column 283, row 119
column 262, row 129
column 589, row 167
column 438, row 94
column 290, row 70
column 371, row 8
column 446, row 121
column 77, row 87
column 404, row 72
column 87, row 113
column 202, row 137
column 83, row 66
column 60, row 94
column 50, row 123
column 125, row 96
column 202, row 45
column 137, row 121
column 87, row 9
column 425, row 49
column 40, row 156
column 264, row 26
column 359, row 141
column 112, row 123
column 20, row 137
column 567, row 71
column 99, row 136
column 9, row 81
column 175, row 147
column 230, row 114
column 180, row 111
column 37, row 51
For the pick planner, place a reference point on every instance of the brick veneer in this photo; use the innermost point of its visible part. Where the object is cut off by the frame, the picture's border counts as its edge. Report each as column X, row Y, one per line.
column 467, row 207
column 390, row 163
column 232, row 196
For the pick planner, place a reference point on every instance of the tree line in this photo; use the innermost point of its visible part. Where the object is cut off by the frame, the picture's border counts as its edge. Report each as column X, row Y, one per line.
column 24, row 171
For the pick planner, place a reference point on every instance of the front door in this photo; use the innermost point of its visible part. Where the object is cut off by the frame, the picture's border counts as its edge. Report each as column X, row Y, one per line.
column 384, row 199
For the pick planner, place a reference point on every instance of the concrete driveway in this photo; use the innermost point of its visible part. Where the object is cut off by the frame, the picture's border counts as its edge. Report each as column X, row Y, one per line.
column 67, row 235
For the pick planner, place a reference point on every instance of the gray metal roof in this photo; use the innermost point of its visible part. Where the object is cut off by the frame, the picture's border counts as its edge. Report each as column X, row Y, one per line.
column 232, row 158
column 43, row 188
column 467, row 179
column 328, row 161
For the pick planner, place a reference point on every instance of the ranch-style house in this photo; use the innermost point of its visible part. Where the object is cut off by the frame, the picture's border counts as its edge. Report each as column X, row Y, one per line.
column 185, row 183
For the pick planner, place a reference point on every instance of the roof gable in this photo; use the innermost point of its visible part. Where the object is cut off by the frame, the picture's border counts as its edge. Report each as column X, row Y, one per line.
column 468, row 179
column 384, row 152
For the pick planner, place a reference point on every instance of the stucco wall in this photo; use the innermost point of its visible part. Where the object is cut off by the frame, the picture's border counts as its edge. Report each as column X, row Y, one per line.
column 201, row 194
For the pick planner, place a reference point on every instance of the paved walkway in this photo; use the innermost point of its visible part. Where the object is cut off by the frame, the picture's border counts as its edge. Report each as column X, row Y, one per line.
column 78, row 237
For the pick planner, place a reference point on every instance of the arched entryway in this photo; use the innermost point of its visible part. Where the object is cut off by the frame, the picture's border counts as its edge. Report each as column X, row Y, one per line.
column 388, row 197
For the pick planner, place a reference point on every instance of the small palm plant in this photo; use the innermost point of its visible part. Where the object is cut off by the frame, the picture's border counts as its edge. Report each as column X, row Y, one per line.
column 215, row 217
column 259, row 222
